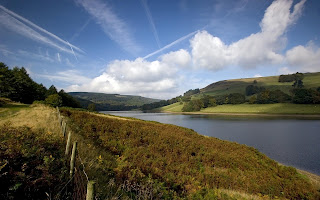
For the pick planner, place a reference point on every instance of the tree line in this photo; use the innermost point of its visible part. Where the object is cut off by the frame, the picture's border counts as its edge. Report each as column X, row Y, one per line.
column 17, row 85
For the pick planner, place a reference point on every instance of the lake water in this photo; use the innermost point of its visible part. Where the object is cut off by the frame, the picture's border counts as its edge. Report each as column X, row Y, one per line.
column 293, row 142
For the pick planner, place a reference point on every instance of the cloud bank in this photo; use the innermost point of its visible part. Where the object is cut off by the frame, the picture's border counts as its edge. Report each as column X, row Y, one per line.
column 162, row 77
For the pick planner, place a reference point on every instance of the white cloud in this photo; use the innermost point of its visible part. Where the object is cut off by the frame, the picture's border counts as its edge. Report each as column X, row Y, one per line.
column 257, row 76
column 156, row 79
column 261, row 48
column 304, row 58
column 179, row 58
column 151, row 22
column 285, row 70
column 68, row 76
column 116, row 29
column 58, row 57
column 26, row 28
column 34, row 56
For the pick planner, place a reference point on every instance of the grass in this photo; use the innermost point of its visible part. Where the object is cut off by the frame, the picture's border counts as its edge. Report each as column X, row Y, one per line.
column 32, row 161
column 181, row 165
column 279, row 108
column 135, row 159
column 175, row 107
column 311, row 80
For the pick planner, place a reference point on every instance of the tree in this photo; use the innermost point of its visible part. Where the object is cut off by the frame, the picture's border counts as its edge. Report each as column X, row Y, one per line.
column 252, row 99
column 51, row 90
column 236, row 98
column 54, row 100
column 193, row 105
column 302, row 96
column 253, row 89
column 298, row 84
column 263, row 97
column 68, row 100
column 92, row 107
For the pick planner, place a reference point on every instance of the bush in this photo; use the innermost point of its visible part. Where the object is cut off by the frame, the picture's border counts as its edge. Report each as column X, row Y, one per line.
column 31, row 163
column 54, row 100
column 236, row 98
column 193, row 105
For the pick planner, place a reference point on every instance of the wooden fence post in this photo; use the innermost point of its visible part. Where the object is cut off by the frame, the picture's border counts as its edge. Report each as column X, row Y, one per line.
column 73, row 159
column 68, row 144
column 91, row 190
column 64, row 127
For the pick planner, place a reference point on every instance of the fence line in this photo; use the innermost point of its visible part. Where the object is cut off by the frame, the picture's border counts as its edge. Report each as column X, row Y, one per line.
column 81, row 186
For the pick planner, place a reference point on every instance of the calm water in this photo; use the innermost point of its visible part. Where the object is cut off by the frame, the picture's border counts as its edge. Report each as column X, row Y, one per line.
column 293, row 142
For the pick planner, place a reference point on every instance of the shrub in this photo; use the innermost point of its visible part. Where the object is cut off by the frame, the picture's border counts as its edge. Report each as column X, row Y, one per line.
column 31, row 163
column 54, row 100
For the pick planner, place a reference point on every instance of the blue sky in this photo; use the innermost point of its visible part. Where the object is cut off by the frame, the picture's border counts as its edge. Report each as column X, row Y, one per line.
column 154, row 48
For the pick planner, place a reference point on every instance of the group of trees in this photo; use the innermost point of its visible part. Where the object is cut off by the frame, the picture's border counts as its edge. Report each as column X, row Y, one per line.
column 17, row 85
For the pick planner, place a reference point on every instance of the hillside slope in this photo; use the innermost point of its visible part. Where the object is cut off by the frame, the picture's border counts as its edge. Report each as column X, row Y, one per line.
column 111, row 101
column 180, row 165
column 311, row 80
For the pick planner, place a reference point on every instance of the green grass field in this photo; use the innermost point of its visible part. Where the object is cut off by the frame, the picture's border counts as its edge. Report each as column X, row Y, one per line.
column 176, row 107
column 278, row 108
column 311, row 80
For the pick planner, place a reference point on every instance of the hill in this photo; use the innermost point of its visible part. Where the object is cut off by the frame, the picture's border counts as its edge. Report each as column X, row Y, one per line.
column 290, row 94
column 310, row 80
column 111, row 101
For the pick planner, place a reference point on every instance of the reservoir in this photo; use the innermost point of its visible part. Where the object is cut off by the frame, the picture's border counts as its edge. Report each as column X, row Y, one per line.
column 290, row 141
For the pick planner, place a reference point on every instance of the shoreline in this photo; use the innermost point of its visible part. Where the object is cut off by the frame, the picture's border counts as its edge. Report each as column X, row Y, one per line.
column 315, row 116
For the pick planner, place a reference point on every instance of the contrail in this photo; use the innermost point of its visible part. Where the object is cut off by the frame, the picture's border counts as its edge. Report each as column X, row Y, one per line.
column 73, row 51
column 154, row 30
column 38, row 27
column 171, row 44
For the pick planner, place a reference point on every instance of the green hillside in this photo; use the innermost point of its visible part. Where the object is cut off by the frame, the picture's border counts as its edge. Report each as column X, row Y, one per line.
column 285, row 94
column 111, row 101
column 311, row 80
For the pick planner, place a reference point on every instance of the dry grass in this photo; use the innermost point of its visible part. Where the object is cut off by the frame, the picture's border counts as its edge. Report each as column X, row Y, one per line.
column 314, row 179
column 35, row 117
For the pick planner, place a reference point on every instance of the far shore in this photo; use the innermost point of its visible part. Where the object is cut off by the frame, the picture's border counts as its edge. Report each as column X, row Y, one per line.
column 315, row 116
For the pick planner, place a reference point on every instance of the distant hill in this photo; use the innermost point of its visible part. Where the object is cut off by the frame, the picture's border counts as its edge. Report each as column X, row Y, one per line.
column 225, row 87
column 111, row 101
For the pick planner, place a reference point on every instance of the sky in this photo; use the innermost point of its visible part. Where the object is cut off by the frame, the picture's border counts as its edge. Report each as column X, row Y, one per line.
column 157, row 49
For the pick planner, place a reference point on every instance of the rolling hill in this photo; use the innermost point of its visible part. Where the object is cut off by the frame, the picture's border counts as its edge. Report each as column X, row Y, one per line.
column 223, row 90
column 311, row 80
column 111, row 101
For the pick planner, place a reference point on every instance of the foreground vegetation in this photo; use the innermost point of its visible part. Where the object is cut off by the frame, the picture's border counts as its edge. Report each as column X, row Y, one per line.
column 32, row 163
column 135, row 159
column 184, row 164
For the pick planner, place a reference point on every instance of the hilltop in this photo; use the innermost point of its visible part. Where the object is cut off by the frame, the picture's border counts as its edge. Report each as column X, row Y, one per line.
column 111, row 101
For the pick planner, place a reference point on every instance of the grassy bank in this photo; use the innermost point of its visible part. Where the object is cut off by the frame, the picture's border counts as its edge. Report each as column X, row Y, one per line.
column 135, row 159
column 278, row 108
column 180, row 165
column 32, row 162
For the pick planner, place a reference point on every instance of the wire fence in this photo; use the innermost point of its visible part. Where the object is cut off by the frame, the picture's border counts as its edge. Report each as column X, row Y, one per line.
column 78, row 186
